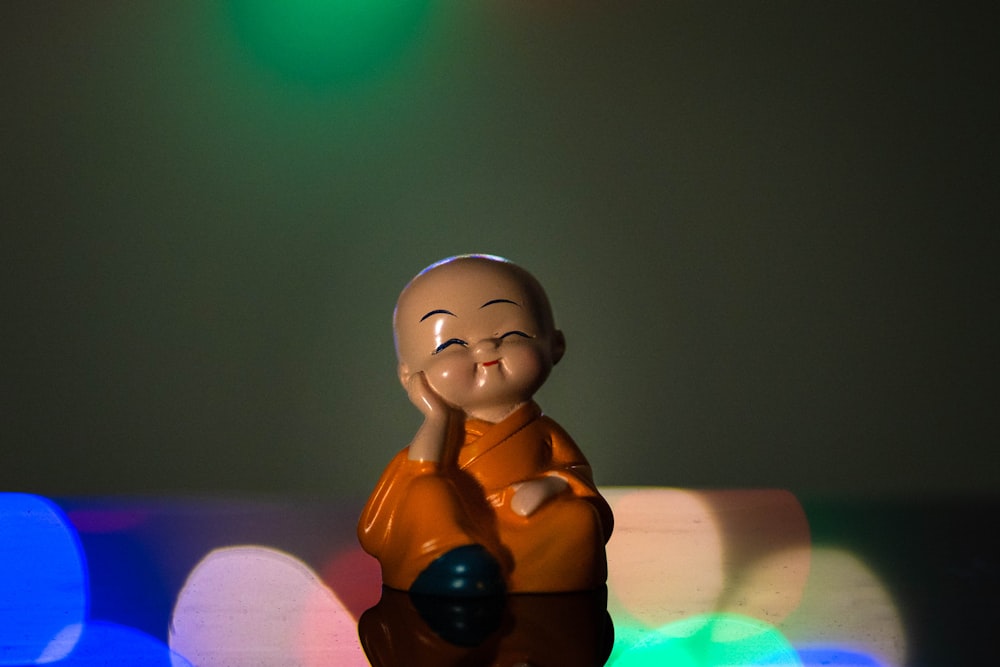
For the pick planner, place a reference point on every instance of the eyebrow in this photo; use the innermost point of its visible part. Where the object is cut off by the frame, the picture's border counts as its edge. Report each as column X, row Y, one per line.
column 440, row 311
column 491, row 302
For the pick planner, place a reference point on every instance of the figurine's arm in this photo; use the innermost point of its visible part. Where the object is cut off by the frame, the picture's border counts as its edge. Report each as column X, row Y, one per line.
column 429, row 443
column 569, row 473
column 421, row 457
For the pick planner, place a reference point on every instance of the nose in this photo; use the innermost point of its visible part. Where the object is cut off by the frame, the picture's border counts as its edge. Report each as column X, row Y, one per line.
column 486, row 346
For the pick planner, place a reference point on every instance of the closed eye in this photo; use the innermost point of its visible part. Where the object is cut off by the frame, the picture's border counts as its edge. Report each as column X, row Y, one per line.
column 515, row 333
column 448, row 343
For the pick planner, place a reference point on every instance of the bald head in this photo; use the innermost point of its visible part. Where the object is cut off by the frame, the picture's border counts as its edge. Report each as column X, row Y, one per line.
column 469, row 278
column 481, row 331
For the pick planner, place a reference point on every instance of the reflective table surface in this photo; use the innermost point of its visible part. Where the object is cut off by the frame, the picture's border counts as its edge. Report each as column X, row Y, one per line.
column 696, row 577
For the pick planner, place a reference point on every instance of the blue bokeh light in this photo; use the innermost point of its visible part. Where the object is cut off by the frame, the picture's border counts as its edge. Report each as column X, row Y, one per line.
column 104, row 643
column 43, row 581
column 836, row 656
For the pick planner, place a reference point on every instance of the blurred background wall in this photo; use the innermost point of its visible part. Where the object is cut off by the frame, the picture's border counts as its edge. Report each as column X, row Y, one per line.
column 769, row 231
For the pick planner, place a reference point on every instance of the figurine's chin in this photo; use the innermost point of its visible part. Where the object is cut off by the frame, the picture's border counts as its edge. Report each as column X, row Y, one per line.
column 493, row 413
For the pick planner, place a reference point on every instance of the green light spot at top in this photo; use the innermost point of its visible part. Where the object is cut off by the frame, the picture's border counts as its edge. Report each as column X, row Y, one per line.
column 327, row 41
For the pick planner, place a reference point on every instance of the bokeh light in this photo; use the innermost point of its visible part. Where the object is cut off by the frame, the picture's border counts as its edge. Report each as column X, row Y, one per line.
column 744, row 552
column 43, row 581
column 45, row 594
column 103, row 643
column 696, row 577
column 733, row 561
column 846, row 611
column 327, row 41
column 258, row 601
column 356, row 577
column 665, row 547
column 836, row 656
column 713, row 640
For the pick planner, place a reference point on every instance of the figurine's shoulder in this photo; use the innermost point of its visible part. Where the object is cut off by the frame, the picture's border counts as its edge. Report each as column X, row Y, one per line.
column 552, row 427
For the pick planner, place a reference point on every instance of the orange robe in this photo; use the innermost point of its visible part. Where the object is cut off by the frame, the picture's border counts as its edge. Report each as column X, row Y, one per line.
column 420, row 510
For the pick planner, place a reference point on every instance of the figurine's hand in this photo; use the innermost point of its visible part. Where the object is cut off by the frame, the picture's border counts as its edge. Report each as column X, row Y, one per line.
column 426, row 399
column 530, row 495
column 429, row 442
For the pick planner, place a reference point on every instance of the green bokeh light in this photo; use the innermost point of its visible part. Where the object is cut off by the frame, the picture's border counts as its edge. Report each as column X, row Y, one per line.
column 707, row 640
column 327, row 41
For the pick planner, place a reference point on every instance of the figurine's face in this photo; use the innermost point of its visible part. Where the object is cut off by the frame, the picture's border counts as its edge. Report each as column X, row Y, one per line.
column 480, row 332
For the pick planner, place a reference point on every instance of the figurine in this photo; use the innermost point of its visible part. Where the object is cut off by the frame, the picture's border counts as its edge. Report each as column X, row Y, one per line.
column 491, row 496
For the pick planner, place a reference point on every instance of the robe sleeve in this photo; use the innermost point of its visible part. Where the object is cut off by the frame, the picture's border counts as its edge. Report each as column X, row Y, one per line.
column 569, row 463
column 377, row 517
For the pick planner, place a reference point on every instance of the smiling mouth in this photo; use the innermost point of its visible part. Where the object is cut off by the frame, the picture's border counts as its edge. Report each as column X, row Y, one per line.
column 491, row 363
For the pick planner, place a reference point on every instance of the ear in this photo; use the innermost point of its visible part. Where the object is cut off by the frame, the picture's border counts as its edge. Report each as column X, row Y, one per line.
column 404, row 375
column 558, row 346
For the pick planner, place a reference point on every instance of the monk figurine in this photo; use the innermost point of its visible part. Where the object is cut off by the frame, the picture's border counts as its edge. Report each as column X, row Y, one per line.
column 491, row 496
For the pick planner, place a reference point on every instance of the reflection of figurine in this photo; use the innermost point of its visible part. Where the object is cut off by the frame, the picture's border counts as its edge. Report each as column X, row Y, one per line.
column 490, row 495
column 556, row 630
